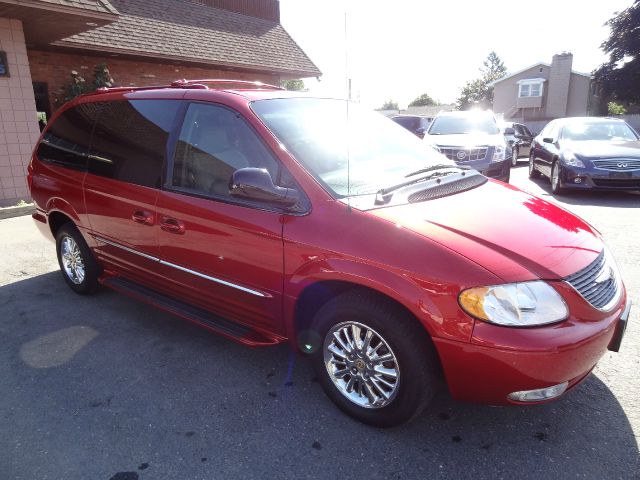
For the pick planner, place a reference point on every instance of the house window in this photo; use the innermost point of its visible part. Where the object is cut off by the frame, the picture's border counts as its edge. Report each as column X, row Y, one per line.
column 530, row 89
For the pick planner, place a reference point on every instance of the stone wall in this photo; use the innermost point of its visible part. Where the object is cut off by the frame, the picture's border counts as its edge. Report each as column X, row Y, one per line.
column 18, row 119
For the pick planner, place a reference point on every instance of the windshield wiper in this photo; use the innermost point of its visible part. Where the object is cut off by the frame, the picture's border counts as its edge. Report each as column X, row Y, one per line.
column 439, row 166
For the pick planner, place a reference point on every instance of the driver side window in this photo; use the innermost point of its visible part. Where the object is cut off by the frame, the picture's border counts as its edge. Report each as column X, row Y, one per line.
column 214, row 142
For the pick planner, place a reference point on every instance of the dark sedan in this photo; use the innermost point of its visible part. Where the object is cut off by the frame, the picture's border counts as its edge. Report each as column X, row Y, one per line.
column 587, row 153
column 416, row 124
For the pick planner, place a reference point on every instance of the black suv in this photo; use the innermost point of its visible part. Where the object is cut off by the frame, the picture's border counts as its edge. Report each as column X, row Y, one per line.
column 519, row 138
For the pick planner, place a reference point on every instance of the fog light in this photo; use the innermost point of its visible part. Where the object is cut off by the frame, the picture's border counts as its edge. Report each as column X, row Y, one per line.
column 577, row 180
column 539, row 394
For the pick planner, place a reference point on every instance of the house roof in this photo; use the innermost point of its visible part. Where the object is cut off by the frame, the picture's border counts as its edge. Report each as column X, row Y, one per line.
column 100, row 6
column 541, row 64
column 191, row 32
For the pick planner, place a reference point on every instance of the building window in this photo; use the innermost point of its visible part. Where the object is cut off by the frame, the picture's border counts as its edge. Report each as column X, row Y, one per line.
column 530, row 89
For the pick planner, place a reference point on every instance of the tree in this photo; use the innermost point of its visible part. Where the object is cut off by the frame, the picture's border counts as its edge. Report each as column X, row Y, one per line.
column 423, row 100
column 619, row 78
column 296, row 85
column 478, row 92
column 616, row 109
column 389, row 105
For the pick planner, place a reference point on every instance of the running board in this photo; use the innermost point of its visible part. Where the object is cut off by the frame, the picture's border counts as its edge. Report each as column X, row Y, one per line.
column 217, row 324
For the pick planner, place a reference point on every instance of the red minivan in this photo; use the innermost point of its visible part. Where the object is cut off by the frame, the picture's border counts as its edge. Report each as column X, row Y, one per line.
column 268, row 216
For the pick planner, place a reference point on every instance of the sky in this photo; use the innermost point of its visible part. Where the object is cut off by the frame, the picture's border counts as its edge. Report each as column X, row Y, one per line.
column 400, row 49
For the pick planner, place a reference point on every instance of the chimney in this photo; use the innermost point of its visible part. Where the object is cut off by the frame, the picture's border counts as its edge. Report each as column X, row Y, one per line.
column 558, row 89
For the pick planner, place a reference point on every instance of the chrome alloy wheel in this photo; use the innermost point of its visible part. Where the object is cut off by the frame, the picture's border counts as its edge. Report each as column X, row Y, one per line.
column 555, row 176
column 72, row 261
column 361, row 365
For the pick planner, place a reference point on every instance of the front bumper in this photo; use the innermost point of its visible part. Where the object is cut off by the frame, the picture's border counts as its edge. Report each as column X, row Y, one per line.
column 498, row 170
column 500, row 360
column 598, row 179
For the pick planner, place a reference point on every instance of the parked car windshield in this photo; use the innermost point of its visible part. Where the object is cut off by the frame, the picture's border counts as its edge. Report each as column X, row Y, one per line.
column 604, row 131
column 464, row 122
column 349, row 149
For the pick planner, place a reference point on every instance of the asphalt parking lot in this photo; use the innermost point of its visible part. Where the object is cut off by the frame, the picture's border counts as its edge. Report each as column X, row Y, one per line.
column 104, row 387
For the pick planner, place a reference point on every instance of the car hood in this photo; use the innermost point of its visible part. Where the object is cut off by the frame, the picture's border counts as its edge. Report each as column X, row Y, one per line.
column 465, row 139
column 511, row 233
column 595, row 150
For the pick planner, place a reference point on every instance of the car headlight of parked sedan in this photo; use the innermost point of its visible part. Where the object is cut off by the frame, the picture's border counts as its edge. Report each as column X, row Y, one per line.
column 499, row 153
column 570, row 159
column 524, row 304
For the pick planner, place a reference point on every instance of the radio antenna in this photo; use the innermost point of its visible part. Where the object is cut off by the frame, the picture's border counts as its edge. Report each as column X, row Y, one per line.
column 348, row 87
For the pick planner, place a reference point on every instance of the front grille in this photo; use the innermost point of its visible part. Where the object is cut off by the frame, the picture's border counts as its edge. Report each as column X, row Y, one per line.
column 618, row 165
column 617, row 182
column 448, row 189
column 470, row 154
column 598, row 283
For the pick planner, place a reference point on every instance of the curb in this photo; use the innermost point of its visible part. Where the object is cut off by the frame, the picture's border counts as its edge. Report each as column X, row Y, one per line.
column 10, row 212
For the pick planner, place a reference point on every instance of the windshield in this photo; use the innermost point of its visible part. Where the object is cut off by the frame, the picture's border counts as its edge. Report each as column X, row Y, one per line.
column 604, row 131
column 464, row 122
column 350, row 150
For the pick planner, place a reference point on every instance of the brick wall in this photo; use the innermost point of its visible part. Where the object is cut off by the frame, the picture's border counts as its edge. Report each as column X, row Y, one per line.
column 54, row 69
column 18, row 120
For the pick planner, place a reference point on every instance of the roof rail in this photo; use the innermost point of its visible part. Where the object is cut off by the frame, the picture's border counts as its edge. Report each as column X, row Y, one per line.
column 204, row 82
column 195, row 84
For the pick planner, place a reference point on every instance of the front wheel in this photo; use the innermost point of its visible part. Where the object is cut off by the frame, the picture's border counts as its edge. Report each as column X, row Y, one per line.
column 533, row 173
column 374, row 361
column 514, row 156
column 79, row 268
column 556, row 184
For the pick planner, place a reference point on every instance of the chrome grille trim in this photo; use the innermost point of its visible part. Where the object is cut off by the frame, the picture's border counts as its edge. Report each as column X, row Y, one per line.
column 471, row 154
column 617, row 164
column 598, row 283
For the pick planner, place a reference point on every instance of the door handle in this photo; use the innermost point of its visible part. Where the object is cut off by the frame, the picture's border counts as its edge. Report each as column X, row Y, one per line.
column 172, row 225
column 145, row 218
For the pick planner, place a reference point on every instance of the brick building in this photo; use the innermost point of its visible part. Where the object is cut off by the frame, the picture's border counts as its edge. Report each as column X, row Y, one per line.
column 143, row 42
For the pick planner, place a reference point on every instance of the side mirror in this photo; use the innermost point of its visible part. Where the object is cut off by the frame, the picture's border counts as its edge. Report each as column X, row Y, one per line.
column 547, row 140
column 256, row 184
column 509, row 131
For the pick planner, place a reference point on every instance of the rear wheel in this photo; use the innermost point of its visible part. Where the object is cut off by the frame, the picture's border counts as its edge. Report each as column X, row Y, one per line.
column 374, row 361
column 533, row 173
column 514, row 156
column 79, row 268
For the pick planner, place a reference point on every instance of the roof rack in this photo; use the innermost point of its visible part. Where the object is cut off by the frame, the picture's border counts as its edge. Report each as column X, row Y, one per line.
column 203, row 83
column 195, row 84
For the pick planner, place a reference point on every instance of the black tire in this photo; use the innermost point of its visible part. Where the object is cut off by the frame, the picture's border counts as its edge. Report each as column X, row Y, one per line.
column 514, row 156
column 507, row 176
column 417, row 361
column 89, row 282
column 556, row 186
column 533, row 173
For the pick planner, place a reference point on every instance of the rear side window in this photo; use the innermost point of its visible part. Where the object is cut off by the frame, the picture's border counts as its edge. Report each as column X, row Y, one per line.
column 66, row 141
column 130, row 140
column 215, row 142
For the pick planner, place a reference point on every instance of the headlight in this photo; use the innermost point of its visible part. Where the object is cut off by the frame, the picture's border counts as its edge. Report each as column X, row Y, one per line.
column 498, row 153
column 515, row 304
column 569, row 158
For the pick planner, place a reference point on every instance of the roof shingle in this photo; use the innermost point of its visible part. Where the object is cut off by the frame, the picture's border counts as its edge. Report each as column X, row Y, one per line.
column 100, row 6
column 196, row 33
